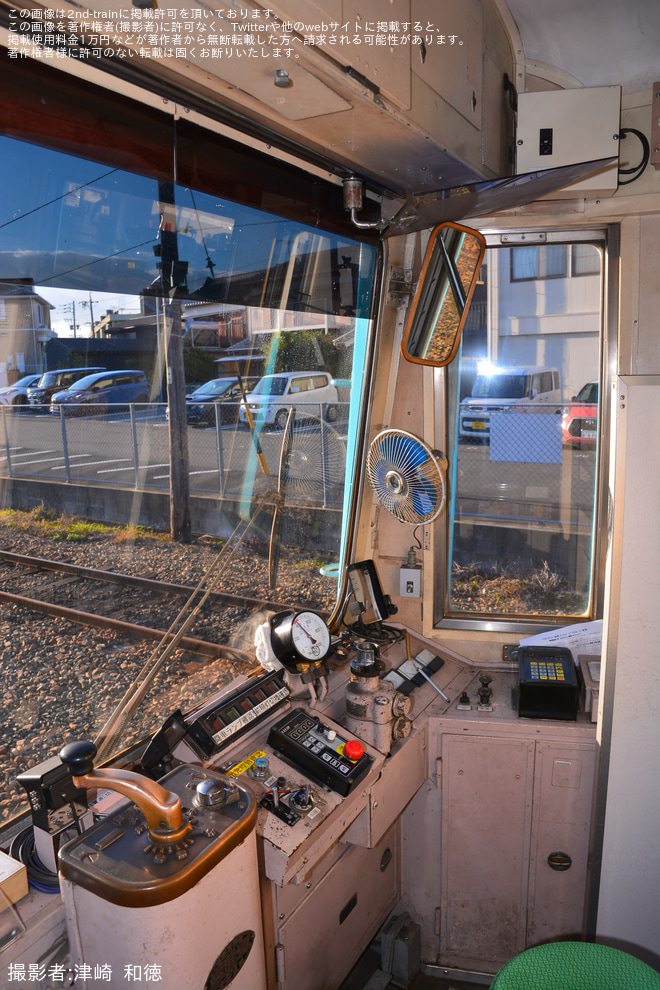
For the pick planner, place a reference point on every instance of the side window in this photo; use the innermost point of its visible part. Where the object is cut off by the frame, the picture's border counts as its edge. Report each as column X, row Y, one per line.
column 319, row 381
column 521, row 517
column 300, row 384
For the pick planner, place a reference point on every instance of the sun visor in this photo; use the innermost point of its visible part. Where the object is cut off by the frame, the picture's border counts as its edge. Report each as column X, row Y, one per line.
column 484, row 198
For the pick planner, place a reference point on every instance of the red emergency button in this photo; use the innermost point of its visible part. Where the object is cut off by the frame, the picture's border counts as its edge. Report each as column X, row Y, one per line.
column 353, row 749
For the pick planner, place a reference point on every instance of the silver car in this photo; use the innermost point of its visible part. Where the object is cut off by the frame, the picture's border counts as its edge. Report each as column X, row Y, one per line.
column 312, row 393
column 17, row 394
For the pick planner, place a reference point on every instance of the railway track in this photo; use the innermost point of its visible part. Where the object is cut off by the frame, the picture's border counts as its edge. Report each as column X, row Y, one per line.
column 55, row 588
column 76, row 641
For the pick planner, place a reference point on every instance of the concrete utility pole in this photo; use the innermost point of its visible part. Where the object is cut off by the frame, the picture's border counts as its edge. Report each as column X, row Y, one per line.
column 71, row 308
column 180, row 525
column 90, row 303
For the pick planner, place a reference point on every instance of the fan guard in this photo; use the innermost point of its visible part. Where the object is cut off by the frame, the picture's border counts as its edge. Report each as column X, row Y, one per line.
column 407, row 476
column 314, row 465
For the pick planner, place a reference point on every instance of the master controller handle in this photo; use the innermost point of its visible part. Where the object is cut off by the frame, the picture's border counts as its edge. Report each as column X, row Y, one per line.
column 160, row 807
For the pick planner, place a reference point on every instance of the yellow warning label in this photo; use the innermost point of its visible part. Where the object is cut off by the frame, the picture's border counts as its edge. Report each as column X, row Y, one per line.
column 244, row 764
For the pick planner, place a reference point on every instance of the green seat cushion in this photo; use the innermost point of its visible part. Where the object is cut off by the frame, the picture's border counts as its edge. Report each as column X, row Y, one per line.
column 575, row 966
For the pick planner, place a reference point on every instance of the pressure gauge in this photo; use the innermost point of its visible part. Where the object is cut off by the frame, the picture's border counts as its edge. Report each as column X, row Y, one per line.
column 299, row 637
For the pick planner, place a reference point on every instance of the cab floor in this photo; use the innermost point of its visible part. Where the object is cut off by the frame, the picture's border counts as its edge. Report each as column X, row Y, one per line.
column 361, row 977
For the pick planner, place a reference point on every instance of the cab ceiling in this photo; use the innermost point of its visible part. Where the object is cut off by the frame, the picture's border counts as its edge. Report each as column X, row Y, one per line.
column 591, row 42
column 411, row 122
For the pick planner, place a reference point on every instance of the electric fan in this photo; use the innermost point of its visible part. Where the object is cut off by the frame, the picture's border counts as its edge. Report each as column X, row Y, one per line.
column 407, row 476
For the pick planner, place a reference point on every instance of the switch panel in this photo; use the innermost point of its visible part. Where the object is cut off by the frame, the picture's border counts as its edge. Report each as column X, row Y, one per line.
column 566, row 126
column 410, row 582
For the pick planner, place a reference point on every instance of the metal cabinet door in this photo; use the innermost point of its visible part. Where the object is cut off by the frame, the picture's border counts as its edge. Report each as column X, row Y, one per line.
column 561, row 824
column 487, row 791
column 324, row 936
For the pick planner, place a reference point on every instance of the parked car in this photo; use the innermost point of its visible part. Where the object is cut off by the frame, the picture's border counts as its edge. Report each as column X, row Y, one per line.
column 224, row 392
column 16, row 394
column 313, row 393
column 97, row 393
column 579, row 421
column 504, row 388
column 39, row 395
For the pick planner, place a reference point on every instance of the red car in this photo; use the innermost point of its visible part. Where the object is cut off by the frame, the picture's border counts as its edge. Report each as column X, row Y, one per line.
column 579, row 422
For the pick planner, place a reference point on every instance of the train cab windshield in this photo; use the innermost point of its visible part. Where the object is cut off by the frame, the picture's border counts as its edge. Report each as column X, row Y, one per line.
column 328, row 655
column 181, row 260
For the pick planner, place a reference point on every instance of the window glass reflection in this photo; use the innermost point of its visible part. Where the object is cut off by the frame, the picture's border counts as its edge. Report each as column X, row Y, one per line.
column 99, row 269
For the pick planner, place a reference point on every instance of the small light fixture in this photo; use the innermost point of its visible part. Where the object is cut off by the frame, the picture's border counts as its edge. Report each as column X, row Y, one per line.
column 283, row 79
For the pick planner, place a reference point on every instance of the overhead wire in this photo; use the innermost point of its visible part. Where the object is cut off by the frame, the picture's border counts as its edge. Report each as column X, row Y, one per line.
column 115, row 725
column 58, row 199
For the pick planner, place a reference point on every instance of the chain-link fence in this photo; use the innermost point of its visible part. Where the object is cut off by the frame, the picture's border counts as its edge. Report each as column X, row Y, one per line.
column 521, row 467
column 523, row 493
column 128, row 446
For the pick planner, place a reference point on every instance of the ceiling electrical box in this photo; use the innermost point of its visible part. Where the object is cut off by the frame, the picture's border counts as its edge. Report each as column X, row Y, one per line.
column 567, row 126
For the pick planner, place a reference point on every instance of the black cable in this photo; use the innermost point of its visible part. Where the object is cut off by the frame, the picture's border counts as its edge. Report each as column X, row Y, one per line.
column 511, row 90
column 646, row 152
column 22, row 849
column 378, row 632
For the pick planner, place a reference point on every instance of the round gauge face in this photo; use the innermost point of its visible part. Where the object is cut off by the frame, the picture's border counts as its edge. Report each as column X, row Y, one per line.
column 310, row 636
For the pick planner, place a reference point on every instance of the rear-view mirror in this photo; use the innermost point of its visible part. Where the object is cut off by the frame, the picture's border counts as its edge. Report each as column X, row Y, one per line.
column 440, row 305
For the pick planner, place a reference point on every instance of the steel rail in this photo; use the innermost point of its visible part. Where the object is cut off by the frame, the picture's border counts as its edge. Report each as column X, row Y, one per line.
column 115, row 577
column 129, row 628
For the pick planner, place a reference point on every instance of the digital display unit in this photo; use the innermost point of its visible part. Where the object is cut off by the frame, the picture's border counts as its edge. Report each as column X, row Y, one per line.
column 547, row 683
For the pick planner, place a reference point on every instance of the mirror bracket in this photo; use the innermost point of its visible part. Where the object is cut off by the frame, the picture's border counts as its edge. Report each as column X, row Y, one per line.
column 400, row 287
column 353, row 189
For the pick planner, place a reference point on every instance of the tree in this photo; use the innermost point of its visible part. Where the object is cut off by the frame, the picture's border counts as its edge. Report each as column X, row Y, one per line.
column 306, row 350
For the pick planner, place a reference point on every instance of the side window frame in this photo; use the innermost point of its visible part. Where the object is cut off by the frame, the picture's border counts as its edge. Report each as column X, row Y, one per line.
column 446, row 384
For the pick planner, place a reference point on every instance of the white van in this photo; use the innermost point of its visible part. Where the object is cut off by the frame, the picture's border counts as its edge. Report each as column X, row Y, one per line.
column 313, row 393
column 500, row 389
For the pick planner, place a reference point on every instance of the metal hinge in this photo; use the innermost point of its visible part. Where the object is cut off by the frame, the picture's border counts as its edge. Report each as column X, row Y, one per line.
column 400, row 286
column 281, row 967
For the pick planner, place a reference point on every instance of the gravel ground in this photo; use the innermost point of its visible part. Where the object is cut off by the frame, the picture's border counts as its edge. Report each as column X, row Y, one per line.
column 60, row 681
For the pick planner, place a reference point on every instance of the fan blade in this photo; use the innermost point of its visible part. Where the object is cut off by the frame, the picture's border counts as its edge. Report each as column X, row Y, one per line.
column 424, row 497
column 403, row 451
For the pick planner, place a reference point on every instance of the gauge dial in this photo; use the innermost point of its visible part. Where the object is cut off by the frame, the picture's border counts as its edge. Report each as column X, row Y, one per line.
column 310, row 635
column 300, row 637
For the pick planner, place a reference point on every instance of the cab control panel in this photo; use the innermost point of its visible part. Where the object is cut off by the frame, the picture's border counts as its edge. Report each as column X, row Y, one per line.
column 320, row 751
column 234, row 715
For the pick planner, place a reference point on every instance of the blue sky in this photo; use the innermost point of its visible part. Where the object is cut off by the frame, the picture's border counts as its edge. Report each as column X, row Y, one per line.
column 61, row 317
